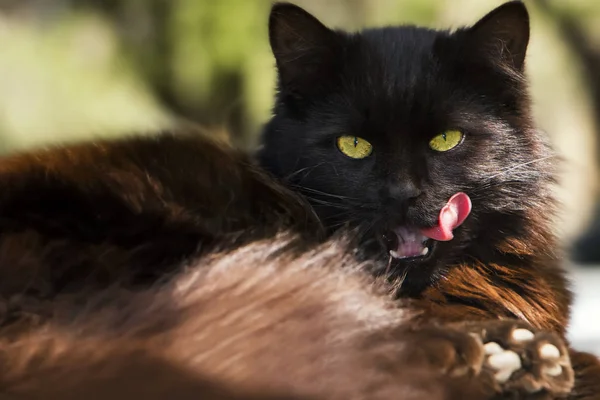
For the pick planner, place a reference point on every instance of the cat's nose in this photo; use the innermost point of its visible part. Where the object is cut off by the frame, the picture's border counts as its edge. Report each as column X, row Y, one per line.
column 403, row 190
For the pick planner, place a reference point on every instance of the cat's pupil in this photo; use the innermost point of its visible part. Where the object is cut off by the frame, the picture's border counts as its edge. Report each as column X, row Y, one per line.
column 355, row 141
column 444, row 136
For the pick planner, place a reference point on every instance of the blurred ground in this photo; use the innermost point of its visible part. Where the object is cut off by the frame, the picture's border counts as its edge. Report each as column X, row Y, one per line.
column 585, row 323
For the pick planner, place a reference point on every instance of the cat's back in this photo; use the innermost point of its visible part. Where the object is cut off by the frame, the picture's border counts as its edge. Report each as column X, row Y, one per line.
column 159, row 173
column 131, row 209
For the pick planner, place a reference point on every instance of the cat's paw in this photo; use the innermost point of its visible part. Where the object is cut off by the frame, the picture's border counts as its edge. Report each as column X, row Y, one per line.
column 523, row 360
column 508, row 357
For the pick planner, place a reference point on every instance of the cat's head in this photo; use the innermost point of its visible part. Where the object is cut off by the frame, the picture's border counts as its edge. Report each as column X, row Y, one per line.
column 381, row 128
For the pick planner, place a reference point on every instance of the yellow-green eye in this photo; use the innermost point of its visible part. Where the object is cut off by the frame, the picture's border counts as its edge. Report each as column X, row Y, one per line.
column 354, row 147
column 446, row 141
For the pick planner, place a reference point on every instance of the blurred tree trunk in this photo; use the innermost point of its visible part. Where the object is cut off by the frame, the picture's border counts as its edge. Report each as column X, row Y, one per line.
column 586, row 249
column 588, row 54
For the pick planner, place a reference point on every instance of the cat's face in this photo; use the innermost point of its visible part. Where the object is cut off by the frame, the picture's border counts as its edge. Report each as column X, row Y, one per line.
column 381, row 128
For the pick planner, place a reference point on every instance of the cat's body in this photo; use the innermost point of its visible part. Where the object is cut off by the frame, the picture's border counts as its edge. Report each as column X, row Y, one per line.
column 131, row 213
column 245, row 325
column 77, row 272
column 104, row 288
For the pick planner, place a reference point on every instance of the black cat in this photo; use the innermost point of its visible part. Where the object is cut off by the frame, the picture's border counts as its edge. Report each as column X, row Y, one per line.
column 380, row 129
column 422, row 141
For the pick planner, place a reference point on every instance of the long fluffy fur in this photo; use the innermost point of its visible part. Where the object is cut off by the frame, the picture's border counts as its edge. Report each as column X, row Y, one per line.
column 253, row 323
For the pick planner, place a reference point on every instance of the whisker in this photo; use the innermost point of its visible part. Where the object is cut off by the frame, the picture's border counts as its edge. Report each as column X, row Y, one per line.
column 308, row 169
column 315, row 191
column 489, row 185
column 520, row 166
column 340, row 205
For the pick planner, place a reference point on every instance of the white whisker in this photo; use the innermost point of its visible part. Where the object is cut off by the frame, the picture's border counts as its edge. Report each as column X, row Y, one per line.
column 520, row 166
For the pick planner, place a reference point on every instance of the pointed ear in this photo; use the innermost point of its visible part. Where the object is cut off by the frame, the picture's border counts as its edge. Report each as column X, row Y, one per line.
column 503, row 34
column 304, row 48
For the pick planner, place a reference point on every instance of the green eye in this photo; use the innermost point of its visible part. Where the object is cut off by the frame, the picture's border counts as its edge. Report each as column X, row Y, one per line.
column 354, row 147
column 446, row 141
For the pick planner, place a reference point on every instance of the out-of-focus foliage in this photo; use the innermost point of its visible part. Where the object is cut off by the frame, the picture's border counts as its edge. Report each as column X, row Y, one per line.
column 71, row 69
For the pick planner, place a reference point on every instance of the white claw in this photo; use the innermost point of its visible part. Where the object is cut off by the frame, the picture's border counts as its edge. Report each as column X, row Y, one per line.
column 503, row 376
column 549, row 352
column 522, row 335
column 505, row 363
column 554, row 370
column 507, row 360
column 492, row 348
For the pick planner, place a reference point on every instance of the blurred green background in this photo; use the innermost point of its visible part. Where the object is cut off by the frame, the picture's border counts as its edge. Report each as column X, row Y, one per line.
column 79, row 69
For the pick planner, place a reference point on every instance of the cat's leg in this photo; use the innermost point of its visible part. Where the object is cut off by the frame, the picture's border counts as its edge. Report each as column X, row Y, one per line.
column 509, row 357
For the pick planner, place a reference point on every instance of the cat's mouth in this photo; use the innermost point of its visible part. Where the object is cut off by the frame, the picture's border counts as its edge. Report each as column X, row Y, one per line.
column 408, row 243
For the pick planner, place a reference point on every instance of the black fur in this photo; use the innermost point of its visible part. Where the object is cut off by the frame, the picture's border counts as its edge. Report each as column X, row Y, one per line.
column 398, row 87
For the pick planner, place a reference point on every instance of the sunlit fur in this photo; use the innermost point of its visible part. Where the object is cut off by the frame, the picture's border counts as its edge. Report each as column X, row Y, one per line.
column 256, row 323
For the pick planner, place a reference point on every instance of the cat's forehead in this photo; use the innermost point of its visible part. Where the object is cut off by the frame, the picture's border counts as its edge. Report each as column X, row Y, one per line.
column 397, row 63
column 401, row 55
column 399, row 44
column 397, row 70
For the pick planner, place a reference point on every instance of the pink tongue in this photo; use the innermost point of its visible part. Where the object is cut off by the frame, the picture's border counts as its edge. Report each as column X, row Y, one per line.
column 453, row 214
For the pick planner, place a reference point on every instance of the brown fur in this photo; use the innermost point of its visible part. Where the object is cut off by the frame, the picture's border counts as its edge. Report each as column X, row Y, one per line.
column 245, row 325
column 538, row 301
column 130, row 211
column 533, row 288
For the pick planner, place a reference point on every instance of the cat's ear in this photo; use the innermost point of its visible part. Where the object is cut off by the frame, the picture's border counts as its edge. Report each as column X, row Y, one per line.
column 503, row 34
column 304, row 48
